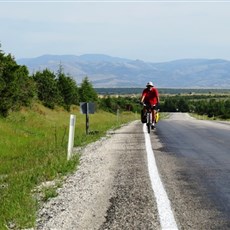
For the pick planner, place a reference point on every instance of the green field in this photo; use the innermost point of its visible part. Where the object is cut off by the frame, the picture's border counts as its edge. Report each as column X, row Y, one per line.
column 33, row 149
column 162, row 91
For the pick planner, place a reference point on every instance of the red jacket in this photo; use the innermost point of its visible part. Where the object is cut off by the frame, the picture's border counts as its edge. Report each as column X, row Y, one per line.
column 151, row 96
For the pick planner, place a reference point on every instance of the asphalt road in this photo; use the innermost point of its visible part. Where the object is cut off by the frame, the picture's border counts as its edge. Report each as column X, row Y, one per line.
column 193, row 157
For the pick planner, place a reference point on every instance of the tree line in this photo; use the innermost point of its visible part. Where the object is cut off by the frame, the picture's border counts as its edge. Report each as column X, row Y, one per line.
column 211, row 106
column 18, row 88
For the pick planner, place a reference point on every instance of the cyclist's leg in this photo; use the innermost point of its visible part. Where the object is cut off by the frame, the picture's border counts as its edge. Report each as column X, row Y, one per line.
column 154, row 112
column 153, row 116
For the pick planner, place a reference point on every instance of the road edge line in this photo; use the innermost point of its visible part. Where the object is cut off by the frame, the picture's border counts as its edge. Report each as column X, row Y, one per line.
column 167, row 219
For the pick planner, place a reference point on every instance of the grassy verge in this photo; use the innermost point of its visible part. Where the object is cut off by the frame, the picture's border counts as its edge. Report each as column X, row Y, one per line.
column 33, row 145
column 205, row 117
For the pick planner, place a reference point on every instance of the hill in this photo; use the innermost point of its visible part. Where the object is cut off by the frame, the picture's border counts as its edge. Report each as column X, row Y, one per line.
column 107, row 71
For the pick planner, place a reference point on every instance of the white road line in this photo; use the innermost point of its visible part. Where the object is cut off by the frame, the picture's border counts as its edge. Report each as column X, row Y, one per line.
column 167, row 219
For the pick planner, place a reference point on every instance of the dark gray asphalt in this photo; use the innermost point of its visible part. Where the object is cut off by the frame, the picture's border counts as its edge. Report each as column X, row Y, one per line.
column 194, row 160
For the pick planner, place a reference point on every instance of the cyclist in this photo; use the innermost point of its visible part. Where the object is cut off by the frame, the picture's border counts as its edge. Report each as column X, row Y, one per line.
column 150, row 97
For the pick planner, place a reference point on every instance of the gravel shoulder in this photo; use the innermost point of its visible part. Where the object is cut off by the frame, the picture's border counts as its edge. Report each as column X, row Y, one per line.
column 111, row 188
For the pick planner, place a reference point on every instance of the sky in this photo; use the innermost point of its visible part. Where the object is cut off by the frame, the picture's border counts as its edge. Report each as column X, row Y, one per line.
column 152, row 31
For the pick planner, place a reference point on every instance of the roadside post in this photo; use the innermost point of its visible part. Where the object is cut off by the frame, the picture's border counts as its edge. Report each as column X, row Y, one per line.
column 118, row 115
column 87, row 108
column 71, row 136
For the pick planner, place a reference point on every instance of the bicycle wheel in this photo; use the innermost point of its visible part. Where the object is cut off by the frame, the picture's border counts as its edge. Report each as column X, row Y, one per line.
column 148, row 122
column 148, row 127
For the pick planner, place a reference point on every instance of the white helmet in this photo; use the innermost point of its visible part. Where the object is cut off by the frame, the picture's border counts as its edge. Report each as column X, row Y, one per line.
column 149, row 84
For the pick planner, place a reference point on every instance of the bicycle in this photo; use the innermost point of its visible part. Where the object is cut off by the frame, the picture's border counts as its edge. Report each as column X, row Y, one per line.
column 147, row 117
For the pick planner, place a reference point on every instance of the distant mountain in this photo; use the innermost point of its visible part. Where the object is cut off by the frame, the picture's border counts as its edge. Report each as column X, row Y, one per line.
column 107, row 71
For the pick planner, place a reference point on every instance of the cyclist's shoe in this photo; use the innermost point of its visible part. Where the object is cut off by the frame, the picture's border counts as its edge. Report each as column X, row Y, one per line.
column 152, row 126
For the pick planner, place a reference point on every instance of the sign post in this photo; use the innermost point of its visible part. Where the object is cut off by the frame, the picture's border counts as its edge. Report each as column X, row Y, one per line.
column 87, row 119
column 87, row 108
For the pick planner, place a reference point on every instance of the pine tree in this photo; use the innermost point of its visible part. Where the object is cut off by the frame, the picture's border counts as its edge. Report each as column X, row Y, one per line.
column 48, row 92
column 86, row 92
column 68, row 89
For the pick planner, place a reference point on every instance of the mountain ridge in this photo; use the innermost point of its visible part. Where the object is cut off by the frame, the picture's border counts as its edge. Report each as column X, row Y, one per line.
column 107, row 71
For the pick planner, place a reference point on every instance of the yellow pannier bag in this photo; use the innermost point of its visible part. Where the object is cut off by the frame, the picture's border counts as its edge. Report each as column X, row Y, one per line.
column 157, row 117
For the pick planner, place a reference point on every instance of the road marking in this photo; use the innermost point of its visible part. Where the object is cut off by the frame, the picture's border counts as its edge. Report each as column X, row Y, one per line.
column 167, row 219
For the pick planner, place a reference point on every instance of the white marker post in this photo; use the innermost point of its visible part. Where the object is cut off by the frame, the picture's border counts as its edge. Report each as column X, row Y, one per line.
column 118, row 115
column 71, row 135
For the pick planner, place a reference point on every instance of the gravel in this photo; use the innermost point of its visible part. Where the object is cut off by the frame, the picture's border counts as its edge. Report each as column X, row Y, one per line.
column 110, row 189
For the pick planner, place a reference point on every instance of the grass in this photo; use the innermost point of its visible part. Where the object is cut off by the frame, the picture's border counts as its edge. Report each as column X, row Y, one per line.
column 205, row 117
column 33, row 149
